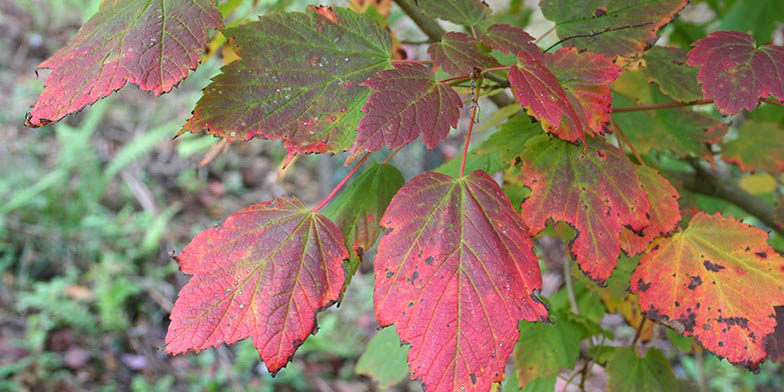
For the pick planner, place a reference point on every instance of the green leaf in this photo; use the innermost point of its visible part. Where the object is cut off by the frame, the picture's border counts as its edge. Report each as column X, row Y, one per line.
column 758, row 17
column 759, row 146
column 667, row 67
column 384, row 359
column 490, row 163
column 508, row 142
column 299, row 78
column 462, row 12
column 510, row 384
column 357, row 210
column 544, row 349
column 629, row 372
column 617, row 28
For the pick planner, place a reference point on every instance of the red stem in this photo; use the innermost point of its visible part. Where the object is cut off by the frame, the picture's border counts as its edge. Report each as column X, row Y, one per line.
column 342, row 182
column 491, row 69
column 470, row 128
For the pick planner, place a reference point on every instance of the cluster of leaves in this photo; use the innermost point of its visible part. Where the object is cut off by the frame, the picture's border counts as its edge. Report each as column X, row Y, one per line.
column 455, row 269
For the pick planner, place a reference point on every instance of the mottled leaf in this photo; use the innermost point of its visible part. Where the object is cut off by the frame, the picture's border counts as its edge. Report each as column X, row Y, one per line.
column 718, row 281
column 263, row 274
column 463, row 12
column 151, row 44
column 759, row 146
column 455, row 274
column 459, row 54
column 593, row 188
column 384, row 359
column 664, row 214
column 735, row 73
column 610, row 27
column 299, row 78
column 680, row 130
column 544, row 349
column 407, row 102
column 357, row 211
column 629, row 372
column 509, row 39
column 667, row 67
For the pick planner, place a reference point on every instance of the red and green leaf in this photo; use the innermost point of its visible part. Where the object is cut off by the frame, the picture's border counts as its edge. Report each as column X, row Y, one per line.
column 667, row 67
column 509, row 39
column 664, row 214
column 299, row 78
column 151, row 44
column 459, row 54
column 593, row 188
column 462, row 12
column 759, row 146
column 455, row 274
column 735, row 73
column 718, row 281
column 610, row 28
column 263, row 274
column 407, row 102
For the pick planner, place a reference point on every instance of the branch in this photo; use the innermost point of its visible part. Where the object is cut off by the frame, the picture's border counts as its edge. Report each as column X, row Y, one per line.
column 434, row 32
column 708, row 182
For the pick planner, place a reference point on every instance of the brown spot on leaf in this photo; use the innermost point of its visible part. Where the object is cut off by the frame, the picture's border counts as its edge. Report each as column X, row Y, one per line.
column 712, row 267
column 694, row 282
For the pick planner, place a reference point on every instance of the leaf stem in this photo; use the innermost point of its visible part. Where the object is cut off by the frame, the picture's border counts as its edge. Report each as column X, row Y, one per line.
column 639, row 331
column 567, row 273
column 546, row 33
column 400, row 61
column 626, row 141
column 658, row 106
column 470, row 125
column 342, row 182
column 392, row 155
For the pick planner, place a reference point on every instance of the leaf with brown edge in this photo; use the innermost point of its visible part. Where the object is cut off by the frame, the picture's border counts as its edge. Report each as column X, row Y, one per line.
column 759, row 146
column 718, row 281
column 151, row 44
column 263, row 274
column 509, row 39
column 459, row 54
column 610, row 28
column 735, row 73
column 462, row 12
column 299, row 78
column 455, row 274
column 594, row 188
column 407, row 102
column 667, row 67
column 664, row 214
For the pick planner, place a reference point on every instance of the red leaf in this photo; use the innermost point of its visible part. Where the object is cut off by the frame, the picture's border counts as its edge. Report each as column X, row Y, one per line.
column 735, row 73
column 126, row 41
column 718, row 281
column 263, row 274
column 593, row 188
column 299, row 78
column 459, row 54
column 664, row 215
column 407, row 102
column 509, row 39
column 568, row 91
column 455, row 275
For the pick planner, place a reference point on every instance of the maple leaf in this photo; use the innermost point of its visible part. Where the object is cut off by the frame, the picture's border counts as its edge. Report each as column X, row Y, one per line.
column 358, row 209
column 759, row 146
column 735, row 73
column 509, row 39
column 667, row 67
column 593, row 188
column 568, row 91
column 263, row 274
column 459, row 54
column 680, row 130
column 407, row 102
column 384, row 359
column 455, row 275
column 462, row 12
column 610, row 28
column 664, row 214
column 718, row 281
column 299, row 78
column 151, row 44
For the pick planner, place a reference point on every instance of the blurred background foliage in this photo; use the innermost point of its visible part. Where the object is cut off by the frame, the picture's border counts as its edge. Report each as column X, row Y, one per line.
column 91, row 207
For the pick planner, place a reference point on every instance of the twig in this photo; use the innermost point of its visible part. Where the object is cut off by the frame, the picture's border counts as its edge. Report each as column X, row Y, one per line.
column 546, row 33
column 668, row 105
column 470, row 125
column 342, row 182
column 598, row 33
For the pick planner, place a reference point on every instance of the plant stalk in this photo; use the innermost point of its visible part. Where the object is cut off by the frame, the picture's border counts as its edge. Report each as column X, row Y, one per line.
column 342, row 182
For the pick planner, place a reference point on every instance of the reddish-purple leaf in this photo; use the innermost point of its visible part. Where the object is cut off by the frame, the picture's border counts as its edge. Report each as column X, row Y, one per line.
column 509, row 39
column 407, row 102
column 263, row 274
column 299, row 78
column 151, row 44
column 718, row 281
column 459, row 54
column 593, row 188
column 664, row 215
column 455, row 275
column 735, row 73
